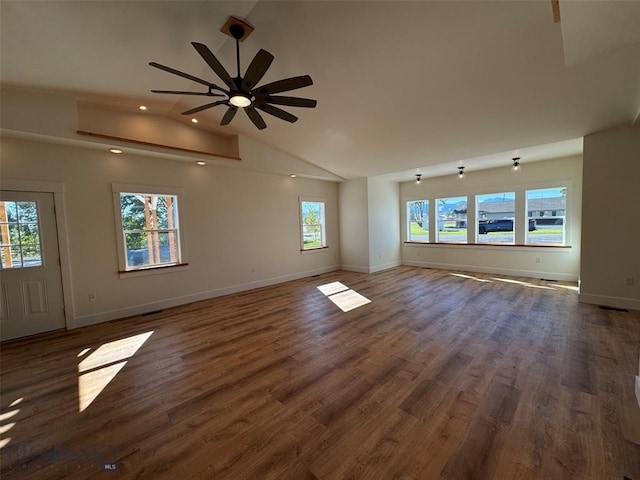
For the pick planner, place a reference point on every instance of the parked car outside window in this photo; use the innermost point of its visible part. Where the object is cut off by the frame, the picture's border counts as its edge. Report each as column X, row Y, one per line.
column 503, row 225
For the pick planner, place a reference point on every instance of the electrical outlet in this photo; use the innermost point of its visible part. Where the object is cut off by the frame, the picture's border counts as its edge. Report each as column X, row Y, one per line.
column 538, row 259
column 92, row 296
column 629, row 281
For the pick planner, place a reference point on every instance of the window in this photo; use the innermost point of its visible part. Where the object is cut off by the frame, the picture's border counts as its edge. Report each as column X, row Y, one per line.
column 20, row 235
column 546, row 214
column 452, row 219
column 149, row 225
column 418, row 221
column 495, row 214
column 312, row 222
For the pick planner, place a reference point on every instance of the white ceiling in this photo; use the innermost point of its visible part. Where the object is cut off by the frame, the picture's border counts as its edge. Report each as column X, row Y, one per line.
column 401, row 86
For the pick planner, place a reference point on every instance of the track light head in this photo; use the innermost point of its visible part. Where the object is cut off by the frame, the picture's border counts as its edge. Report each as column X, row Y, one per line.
column 460, row 172
column 516, row 164
column 418, row 178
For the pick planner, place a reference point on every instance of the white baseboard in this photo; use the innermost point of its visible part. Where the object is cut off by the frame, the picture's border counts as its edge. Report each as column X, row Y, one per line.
column 374, row 269
column 100, row 317
column 384, row 266
column 354, row 268
column 615, row 302
column 564, row 277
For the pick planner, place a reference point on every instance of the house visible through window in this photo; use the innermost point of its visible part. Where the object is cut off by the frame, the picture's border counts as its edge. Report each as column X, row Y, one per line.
column 495, row 214
column 312, row 221
column 546, row 209
column 452, row 219
column 150, row 230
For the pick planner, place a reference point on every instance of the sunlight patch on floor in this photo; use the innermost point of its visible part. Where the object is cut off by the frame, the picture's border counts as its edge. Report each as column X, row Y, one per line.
column 524, row 284
column 343, row 297
column 470, row 277
column 102, row 365
column 5, row 427
column 349, row 300
column 333, row 287
column 573, row 288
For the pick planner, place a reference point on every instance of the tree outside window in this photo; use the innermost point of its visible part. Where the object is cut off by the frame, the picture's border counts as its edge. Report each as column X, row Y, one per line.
column 150, row 229
column 313, row 224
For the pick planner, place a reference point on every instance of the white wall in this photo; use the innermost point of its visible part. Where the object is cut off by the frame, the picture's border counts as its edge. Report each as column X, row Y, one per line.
column 241, row 227
column 354, row 225
column 611, row 219
column 536, row 262
column 384, row 224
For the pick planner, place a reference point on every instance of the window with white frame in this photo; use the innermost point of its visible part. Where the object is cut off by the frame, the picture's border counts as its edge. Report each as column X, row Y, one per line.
column 418, row 221
column 452, row 220
column 148, row 225
column 495, row 217
column 312, row 224
column 547, row 216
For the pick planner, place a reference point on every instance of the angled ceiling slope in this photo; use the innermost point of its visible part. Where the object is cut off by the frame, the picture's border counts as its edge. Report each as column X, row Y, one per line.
column 400, row 85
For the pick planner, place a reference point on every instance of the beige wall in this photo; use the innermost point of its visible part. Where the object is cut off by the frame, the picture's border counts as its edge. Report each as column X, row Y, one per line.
column 536, row 262
column 354, row 225
column 241, row 227
column 384, row 233
column 611, row 219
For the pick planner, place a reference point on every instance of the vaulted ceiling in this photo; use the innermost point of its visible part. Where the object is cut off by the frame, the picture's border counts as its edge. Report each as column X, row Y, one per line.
column 401, row 86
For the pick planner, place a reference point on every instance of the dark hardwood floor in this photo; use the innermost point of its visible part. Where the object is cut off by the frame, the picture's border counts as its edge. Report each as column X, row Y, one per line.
column 443, row 375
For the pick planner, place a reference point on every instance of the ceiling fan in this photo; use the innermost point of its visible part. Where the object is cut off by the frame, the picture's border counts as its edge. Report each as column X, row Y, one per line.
column 242, row 92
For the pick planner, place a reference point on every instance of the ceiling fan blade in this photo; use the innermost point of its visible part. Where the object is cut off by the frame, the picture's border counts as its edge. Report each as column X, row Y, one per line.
column 204, row 107
column 182, row 74
column 255, row 117
column 256, row 70
column 231, row 112
column 215, row 65
column 277, row 112
column 292, row 101
column 285, row 85
column 177, row 92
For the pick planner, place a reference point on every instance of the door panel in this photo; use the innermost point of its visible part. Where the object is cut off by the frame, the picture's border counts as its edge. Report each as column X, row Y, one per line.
column 31, row 292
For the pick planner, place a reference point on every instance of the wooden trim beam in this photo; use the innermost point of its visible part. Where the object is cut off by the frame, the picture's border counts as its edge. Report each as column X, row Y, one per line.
column 158, row 145
column 555, row 7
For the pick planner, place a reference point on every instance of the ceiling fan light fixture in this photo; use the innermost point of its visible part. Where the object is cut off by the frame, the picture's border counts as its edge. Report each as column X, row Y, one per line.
column 240, row 100
column 244, row 92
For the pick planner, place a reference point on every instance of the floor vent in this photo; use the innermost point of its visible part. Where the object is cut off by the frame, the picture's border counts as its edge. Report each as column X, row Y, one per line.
column 604, row 307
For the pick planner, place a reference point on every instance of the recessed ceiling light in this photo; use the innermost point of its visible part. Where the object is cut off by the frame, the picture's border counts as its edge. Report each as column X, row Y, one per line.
column 293, row 175
column 115, row 150
column 194, row 120
column 200, row 162
column 142, row 107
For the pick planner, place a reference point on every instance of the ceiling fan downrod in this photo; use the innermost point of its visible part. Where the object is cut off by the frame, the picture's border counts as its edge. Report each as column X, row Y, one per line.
column 237, row 31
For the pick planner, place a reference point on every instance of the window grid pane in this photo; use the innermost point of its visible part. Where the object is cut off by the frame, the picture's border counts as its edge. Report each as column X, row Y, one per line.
column 495, row 216
column 313, row 225
column 418, row 221
column 452, row 220
column 546, row 209
column 150, row 230
column 19, row 235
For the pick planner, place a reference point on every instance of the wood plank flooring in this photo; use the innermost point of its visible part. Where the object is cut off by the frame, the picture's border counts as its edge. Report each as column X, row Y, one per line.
column 443, row 375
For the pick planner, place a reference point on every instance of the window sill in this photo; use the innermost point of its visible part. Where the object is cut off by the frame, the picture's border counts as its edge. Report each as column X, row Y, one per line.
column 508, row 245
column 143, row 272
column 313, row 250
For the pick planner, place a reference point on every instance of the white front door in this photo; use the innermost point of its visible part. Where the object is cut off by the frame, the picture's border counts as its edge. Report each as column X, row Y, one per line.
column 31, row 298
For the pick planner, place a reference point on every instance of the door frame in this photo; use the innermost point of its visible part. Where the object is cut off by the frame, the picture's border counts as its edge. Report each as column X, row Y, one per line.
column 57, row 189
